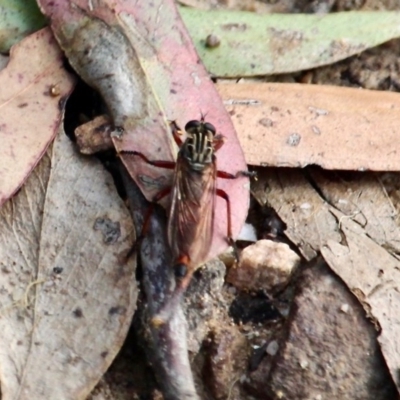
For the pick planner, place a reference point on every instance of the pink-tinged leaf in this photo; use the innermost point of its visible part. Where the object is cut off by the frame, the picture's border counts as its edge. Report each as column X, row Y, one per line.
column 103, row 56
column 185, row 91
column 34, row 86
column 150, row 72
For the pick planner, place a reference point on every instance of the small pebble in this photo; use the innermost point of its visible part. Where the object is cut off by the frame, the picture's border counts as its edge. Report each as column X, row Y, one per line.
column 272, row 348
column 212, row 41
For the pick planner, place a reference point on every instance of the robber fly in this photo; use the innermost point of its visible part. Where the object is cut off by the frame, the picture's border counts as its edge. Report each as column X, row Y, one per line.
column 191, row 214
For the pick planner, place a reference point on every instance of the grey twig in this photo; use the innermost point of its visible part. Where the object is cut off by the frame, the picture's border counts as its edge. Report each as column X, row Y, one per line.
column 169, row 342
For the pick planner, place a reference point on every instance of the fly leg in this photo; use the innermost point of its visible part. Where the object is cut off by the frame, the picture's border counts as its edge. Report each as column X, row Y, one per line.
column 224, row 195
column 163, row 193
column 176, row 133
column 227, row 175
column 230, row 240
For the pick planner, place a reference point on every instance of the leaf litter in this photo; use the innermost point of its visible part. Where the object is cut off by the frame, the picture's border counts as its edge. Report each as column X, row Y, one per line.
column 253, row 44
column 318, row 237
column 295, row 125
column 372, row 273
column 312, row 238
column 18, row 18
column 34, row 69
column 67, row 298
column 352, row 222
column 168, row 78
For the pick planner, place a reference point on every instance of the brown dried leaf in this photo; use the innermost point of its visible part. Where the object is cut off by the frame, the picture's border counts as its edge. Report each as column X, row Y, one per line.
column 66, row 299
column 309, row 222
column 352, row 242
column 370, row 271
column 100, row 50
column 34, row 87
column 294, row 125
column 363, row 198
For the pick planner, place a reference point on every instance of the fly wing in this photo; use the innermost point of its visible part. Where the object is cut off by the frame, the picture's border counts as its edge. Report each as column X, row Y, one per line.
column 191, row 218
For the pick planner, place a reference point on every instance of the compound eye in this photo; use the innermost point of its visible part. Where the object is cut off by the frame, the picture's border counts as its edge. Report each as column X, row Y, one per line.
column 180, row 270
column 210, row 127
column 193, row 125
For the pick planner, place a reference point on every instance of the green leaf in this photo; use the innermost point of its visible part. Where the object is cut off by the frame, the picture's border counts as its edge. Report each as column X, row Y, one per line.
column 18, row 18
column 253, row 44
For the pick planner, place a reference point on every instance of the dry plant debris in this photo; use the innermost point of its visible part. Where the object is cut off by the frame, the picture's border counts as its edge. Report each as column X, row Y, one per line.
column 356, row 233
column 295, row 125
column 353, row 222
column 35, row 69
column 256, row 44
column 67, row 298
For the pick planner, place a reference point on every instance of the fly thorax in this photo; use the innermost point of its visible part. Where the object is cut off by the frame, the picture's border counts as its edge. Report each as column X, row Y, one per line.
column 198, row 149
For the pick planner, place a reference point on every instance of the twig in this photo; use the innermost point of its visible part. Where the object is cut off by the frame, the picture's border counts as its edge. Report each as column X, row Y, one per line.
column 169, row 348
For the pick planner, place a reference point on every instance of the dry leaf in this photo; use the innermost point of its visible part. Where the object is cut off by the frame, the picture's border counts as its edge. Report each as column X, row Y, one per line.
column 18, row 18
column 364, row 200
column 294, row 125
column 3, row 61
column 360, row 245
column 67, row 300
column 279, row 41
column 373, row 273
column 100, row 51
column 34, row 88
column 309, row 222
